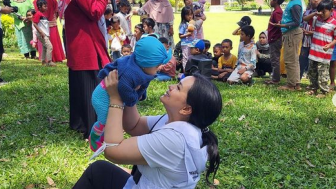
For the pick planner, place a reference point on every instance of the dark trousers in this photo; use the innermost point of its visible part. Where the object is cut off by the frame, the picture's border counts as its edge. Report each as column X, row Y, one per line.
column 263, row 66
column 64, row 40
column 304, row 60
column 81, row 85
column 275, row 48
column 102, row 174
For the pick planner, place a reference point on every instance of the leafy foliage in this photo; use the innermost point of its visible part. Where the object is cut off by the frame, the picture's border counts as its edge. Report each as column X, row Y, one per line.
column 9, row 38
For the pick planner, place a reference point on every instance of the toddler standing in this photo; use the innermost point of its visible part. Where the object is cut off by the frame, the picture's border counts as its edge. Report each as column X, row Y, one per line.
column 187, row 33
column 117, row 37
column 41, row 24
column 321, row 50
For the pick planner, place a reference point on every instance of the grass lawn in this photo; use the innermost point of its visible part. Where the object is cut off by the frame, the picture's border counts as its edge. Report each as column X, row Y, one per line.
column 286, row 140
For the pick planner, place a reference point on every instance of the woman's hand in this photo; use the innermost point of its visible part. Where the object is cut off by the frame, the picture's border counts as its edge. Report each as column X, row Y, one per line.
column 111, row 82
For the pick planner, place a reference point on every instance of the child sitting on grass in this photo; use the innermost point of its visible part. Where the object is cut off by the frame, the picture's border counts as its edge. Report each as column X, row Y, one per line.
column 217, row 52
column 148, row 26
column 207, row 45
column 247, row 57
column 322, row 44
column 134, row 73
column 168, row 71
column 227, row 62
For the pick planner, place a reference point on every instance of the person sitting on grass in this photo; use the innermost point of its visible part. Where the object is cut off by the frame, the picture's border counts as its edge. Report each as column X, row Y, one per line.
column 169, row 151
column 217, row 52
column 207, row 45
column 135, row 72
column 168, row 71
column 263, row 56
column 226, row 62
column 196, row 48
column 322, row 44
column 247, row 57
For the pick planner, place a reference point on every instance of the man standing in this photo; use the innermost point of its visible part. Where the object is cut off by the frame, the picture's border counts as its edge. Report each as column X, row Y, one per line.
column 291, row 37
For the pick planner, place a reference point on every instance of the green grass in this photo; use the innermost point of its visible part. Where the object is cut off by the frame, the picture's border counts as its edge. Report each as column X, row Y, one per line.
column 287, row 139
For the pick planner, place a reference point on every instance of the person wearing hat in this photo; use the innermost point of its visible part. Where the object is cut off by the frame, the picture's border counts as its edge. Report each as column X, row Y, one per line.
column 134, row 72
column 244, row 21
column 196, row 48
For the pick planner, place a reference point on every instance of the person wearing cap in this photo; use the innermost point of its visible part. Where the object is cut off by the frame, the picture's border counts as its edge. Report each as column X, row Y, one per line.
column 196, row 48
column 135, row 72
column 244, row 21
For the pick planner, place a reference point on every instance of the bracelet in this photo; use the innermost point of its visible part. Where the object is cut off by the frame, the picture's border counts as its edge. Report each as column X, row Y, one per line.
column 117, row 106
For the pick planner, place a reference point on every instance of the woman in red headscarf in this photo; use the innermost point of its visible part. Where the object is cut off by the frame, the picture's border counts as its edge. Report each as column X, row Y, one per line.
column 52, row 14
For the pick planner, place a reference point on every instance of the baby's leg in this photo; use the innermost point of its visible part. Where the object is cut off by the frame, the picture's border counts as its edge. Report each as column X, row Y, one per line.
column 100, row 103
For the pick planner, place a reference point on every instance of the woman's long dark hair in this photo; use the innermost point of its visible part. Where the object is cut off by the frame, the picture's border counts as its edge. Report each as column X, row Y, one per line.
column 206, row 103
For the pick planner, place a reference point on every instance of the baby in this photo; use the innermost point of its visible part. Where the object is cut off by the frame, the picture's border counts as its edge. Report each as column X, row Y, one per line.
column 135, row 72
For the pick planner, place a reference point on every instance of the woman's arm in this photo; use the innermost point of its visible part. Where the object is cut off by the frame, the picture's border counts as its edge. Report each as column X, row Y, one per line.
column 126, row 151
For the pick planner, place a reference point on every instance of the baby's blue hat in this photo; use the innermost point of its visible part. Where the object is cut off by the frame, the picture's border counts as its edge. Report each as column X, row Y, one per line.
column 150, row 52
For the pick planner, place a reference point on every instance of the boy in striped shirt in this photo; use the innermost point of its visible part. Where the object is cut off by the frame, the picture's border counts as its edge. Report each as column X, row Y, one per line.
column 323, row 41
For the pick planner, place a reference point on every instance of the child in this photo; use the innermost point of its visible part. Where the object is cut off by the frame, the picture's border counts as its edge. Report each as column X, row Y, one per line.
column 217, row 52
column 307, row 28
column 227, row 61
column 108, row 14
column 138, row 32
column 263, row 55
column 29, row 17
column 135, row 72
column 196, row 53
column 186, row 36
column 274, row 40
column 247, row 57
column 125, row 19
column 166, row 72
column 179, row 57
column 41, row 24
column 321, row 50
column 333, row 57
column 207, row 45
column 117, row 38
column 148, row 26
column 244, row 21
column 126, row 50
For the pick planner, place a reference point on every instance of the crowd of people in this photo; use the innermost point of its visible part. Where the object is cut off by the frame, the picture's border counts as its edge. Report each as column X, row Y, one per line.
column 100, row 41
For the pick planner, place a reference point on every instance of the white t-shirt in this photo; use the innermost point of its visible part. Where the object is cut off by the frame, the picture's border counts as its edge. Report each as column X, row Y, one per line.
column 164, row 151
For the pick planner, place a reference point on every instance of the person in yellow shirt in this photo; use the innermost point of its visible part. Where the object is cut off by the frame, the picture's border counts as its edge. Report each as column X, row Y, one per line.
column 227, row 62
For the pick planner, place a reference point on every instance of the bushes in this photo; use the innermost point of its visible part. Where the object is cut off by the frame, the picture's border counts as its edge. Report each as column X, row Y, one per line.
column 9, row 38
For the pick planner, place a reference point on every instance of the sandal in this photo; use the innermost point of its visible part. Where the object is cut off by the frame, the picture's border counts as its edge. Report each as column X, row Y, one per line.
column 311, row 92
column 271, row 82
